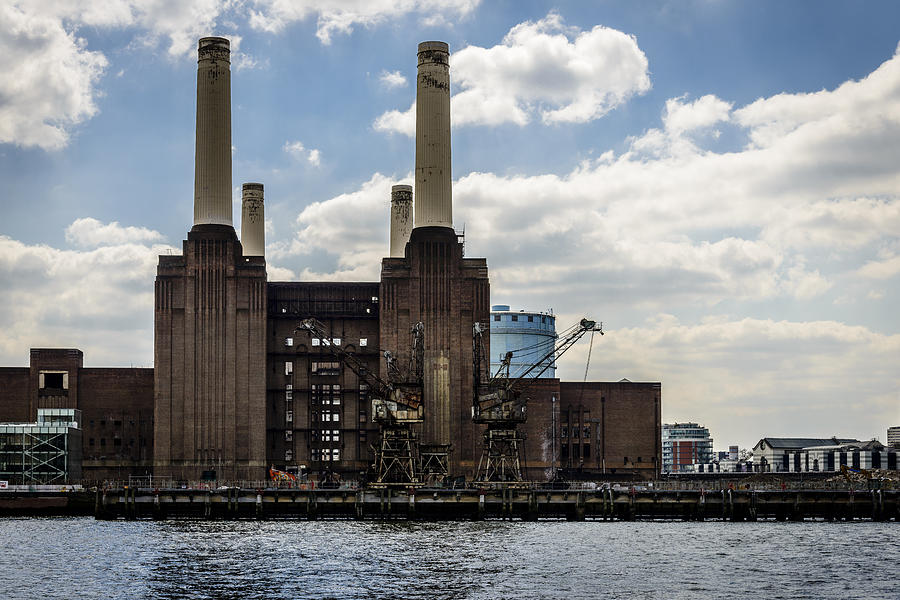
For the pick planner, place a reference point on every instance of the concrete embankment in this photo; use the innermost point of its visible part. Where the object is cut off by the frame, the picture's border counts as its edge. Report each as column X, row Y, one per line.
column 501, row 503
column 46, row 503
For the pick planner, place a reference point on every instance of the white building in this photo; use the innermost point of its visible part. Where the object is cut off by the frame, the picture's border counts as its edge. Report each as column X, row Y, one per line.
column 801, row 455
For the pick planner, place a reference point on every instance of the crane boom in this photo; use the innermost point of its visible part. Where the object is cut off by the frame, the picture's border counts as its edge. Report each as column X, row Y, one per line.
column 499, row 390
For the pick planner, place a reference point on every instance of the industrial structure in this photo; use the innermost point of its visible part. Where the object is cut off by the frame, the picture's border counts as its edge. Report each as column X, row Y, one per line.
column 528, row 335
column 353, row 379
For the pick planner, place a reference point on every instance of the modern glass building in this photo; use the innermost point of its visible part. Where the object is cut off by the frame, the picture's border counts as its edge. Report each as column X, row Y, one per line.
column 684, row 444
column 528, row 335
column 45, row 452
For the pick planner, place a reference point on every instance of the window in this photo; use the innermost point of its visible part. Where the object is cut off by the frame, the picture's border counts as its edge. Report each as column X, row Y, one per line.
column 336, row 435
column 543, row 319
column 326, row 416
column 575, row 432
column 288, row 395
column 587, row 432
column 336, row 341
column 288, row 455
column 288, row 367
column 316, row 454
column 288, row 435
column 289, row 342
column 288, row 386
column 587, row 451
column 325, row 435
column 565, row 432
column 496, row 317
column 336, row 454
column 362, row 416
column 289, row 416
column 326, row 368
column 336, row 417
column 515, row 317
column 53, row 380
column 530, row 319
column 91, row 442
column 103, row 441
column 363, row 342
column 363, row 435
column 315, row 341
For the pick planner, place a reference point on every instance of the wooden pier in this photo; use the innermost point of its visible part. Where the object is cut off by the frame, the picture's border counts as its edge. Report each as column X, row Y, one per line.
column 501, row 503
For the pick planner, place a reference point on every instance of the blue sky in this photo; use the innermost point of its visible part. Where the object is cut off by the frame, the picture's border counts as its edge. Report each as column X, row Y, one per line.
column 717, row 181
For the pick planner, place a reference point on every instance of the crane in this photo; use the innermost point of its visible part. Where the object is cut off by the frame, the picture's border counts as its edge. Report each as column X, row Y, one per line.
column 497, row 402
column 396, row 405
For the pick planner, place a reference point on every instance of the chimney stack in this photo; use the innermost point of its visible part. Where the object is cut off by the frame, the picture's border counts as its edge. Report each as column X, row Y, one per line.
column 401, row 219
column 253, row 220
column 434, row 204
column 212, row 159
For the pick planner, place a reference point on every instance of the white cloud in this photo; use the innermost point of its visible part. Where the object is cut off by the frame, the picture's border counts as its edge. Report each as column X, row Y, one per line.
column 704, row 112
column 359, row 219
column 394, row 79
column 341, row 16
column 298, row 151
column 802, row 216
column 88, row 232
column 47, row 79
column 881, row 269
column 97, row 299
column 540, row 69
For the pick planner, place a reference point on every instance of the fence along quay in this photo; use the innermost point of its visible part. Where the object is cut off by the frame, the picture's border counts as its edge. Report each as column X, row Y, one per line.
column 522, row 502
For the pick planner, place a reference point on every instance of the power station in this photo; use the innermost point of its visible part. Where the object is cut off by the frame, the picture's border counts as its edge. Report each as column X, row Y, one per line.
column 324, row 377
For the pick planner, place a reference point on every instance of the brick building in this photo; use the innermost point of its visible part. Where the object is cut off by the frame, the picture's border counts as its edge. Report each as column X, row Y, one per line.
column 236, row 387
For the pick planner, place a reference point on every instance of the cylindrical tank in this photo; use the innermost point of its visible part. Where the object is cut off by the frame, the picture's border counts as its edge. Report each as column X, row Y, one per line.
column 528, row 335
column 212, row 159
column 253, row 220
column 434, row 204
column 401, row 218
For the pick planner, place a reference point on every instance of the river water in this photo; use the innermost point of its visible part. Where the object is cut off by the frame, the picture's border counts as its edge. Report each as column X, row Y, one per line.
column 83, row 558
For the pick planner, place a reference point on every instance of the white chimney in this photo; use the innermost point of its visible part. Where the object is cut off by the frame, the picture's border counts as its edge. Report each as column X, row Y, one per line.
column 401, row 218
column 212, row 159
column 434, row 203
column 253, row 220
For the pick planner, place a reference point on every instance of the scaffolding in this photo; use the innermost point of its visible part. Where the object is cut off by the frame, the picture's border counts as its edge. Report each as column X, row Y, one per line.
column 45, row 452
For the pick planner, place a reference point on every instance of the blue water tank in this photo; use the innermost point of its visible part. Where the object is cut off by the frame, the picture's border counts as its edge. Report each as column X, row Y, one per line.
column 528, row 335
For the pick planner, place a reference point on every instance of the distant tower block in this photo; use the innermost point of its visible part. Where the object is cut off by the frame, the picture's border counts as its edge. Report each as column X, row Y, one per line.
column 212, row 160
column 253, row 220
column 401, row 218
column 434, row 204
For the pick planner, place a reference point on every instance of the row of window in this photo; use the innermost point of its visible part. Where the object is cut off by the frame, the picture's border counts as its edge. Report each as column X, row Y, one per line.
column 117, row 442
column 516, row 318
column 584, row 432
column 325, row 454
column 289, row 342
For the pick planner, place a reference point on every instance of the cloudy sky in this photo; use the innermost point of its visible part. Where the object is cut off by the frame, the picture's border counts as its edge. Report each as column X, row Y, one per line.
column 718, row 182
